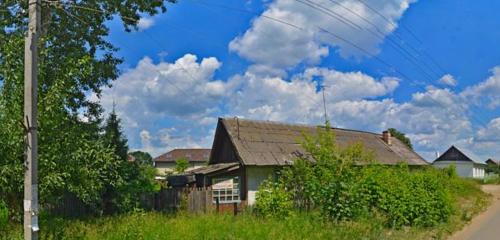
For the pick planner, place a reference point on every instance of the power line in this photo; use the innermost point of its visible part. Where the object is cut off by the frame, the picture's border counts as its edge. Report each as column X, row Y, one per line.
column 406, row 54
column 189, row 96
column 405, row 28
column 297, row 27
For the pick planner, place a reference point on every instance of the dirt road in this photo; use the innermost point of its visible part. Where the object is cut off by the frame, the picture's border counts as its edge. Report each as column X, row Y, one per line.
column 486, row 225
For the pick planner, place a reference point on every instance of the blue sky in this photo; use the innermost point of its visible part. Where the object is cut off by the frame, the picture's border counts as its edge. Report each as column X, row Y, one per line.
column 197, row 62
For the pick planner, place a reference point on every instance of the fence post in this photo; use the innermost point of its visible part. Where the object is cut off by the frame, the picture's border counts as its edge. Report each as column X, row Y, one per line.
column 217, row 205
column 235, row 208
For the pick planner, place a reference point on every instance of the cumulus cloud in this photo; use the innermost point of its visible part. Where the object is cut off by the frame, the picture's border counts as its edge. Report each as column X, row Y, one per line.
column 448, row 80
column 275, row 44
column 169, row 105
column 145, row 23
column 434, row 118
column 486, row 92
column 181, row 93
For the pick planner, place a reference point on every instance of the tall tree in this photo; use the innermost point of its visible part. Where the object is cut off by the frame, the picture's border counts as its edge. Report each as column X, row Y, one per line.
column 143, row 158
column 401, row 136
column 75, row 61
column 113, row 135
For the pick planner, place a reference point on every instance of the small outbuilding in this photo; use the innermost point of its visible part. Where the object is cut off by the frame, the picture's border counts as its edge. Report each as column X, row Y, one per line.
column 465, row 164
column 166, row 162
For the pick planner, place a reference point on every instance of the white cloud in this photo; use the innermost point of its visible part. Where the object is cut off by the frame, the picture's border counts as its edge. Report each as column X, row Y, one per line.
column 182, row 93
column 434, row 119
column 486, row 92
column 448, row 80
column 169, row 105
column 351, row 85
column 278, row 45
column 490, row 133
column 145, row 23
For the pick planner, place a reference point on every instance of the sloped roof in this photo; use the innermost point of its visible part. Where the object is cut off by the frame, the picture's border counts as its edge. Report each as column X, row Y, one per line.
column 456, row 155
column 214, row 168
column 192, row 155
column 265, row 143
column 493, row 161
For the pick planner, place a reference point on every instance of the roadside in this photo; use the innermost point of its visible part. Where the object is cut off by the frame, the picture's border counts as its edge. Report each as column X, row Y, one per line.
column 486, row 225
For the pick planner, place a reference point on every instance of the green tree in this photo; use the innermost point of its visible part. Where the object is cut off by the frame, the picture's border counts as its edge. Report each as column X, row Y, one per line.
column 76, row 60
column 181, row 165
column 143, row 158
column 113, row 135
column 401, row 136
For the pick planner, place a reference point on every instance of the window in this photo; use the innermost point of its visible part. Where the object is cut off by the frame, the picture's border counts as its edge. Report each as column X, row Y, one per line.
column 226, row 190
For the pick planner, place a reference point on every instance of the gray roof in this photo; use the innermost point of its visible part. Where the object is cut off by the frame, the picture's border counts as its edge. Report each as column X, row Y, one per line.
column 191, row 154
column 214, row 168
column 265, row 143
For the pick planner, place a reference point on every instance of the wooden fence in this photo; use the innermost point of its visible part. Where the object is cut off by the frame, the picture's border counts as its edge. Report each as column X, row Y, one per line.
column 192, row 199
column 200, row 200
column 195, row 200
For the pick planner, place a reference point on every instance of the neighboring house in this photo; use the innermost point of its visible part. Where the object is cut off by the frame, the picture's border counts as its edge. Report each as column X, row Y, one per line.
column 465, row 165
column 247, row 152
column 165, row 163
column 493, row 162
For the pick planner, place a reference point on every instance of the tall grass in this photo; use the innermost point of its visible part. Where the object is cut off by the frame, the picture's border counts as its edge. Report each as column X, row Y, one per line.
column 152, row 225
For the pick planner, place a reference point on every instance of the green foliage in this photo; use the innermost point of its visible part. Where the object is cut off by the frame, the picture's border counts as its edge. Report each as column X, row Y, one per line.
column 75, row 61
column 273, row 201
column 416, row 198
column 4, row 215
column 181, row 165
column 401, row 137
column 143, row 158
column 138, row 179
column 328, row 179
column 345, row 183
column 113, row 135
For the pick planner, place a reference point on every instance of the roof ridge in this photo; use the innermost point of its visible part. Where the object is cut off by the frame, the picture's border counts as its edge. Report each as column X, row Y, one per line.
column 299, row 125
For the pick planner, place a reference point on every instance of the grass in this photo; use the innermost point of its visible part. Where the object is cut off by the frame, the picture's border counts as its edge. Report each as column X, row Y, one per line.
column 153, row 225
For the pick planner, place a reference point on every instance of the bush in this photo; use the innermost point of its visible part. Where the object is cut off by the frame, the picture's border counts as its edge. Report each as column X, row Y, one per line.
column 272, row 200
column 4, row 215
column 416, row 198
column 335, row 183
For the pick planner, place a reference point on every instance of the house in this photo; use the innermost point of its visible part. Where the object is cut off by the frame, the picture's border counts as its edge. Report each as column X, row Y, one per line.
column 493, row 162
column 247, row 152
column 165, row 163
column 465, row 165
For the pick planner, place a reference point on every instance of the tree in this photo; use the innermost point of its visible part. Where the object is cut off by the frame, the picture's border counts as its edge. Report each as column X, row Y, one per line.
column 401, row 137
column 113, row 135
column 75, row 62
column 143, row 158
column 181, row 165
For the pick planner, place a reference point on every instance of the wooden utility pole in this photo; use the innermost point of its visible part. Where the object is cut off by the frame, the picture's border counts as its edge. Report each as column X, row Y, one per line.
column 30, row 120
column 324, row 104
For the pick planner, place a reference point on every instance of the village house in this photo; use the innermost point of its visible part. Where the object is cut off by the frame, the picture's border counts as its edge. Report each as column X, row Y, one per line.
column 466, row 164
column 493, row 162
column 165, row 163
column 247, row 152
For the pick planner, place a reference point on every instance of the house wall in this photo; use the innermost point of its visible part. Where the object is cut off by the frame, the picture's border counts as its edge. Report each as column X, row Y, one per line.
column 255, row 176
column 464, row 169
column 163, row 168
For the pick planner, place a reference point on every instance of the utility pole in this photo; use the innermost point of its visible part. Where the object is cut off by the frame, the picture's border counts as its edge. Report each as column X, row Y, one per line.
column 324, row 104
column 30, row 203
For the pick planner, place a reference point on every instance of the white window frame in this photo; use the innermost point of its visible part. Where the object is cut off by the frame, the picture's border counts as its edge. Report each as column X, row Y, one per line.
column 226, row 195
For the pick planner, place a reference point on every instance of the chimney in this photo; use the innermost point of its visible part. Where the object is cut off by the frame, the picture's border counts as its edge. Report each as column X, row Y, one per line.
column 386, row 136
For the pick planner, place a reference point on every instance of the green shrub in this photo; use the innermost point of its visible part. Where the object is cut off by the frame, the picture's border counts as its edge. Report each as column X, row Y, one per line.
column 272, row 200
column 416, row 198
column 4, row 215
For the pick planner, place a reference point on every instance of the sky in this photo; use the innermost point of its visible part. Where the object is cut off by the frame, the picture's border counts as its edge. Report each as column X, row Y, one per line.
column 430, row 69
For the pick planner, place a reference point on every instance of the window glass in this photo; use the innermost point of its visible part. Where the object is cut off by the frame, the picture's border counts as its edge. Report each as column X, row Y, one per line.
column 226, row 189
